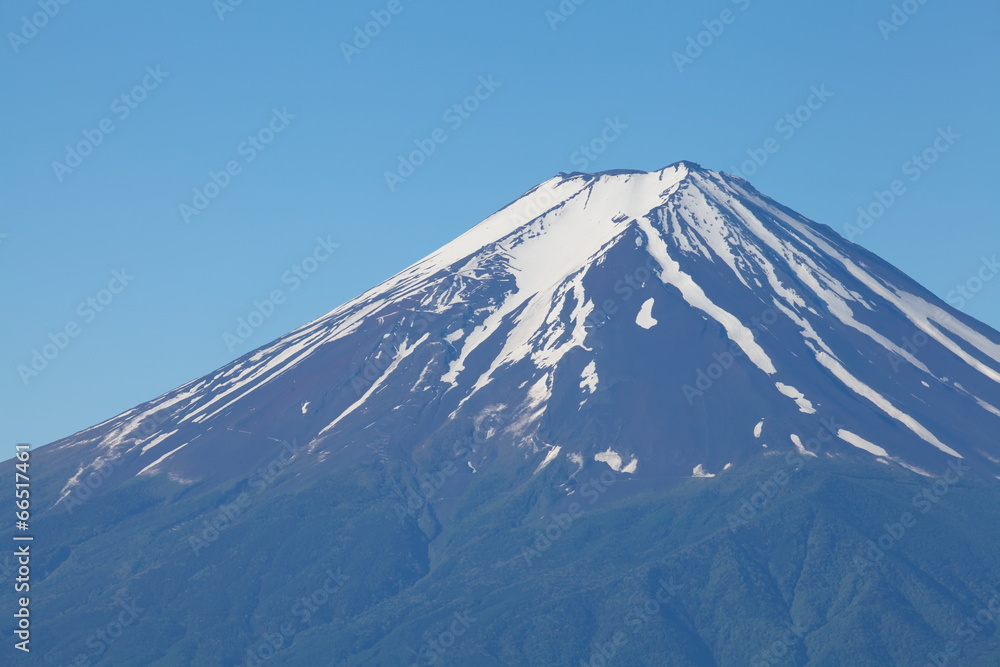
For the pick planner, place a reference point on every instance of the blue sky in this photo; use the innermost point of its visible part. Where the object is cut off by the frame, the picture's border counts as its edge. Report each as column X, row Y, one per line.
column 278, row 139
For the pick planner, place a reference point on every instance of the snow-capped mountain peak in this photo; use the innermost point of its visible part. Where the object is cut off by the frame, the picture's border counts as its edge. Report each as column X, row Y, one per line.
column 645, row 321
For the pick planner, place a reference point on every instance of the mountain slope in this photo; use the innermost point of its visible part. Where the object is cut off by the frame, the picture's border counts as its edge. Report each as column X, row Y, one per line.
column 641, row 364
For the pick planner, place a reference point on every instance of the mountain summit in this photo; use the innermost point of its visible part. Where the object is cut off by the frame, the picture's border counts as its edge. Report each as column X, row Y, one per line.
column 652, row 317
column 612, row 380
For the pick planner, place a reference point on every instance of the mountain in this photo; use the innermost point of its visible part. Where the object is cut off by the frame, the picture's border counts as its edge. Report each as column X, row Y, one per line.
column 633, row 417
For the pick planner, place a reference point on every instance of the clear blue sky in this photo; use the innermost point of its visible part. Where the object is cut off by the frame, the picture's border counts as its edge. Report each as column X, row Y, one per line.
column 67, row 229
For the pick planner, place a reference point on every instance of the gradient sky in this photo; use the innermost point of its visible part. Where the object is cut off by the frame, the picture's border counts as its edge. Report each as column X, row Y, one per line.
column 558, row 80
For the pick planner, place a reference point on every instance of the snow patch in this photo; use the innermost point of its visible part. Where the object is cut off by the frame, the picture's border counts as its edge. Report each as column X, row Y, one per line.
column 881, row 402
column 791, row 392
column 549, row 458
column 155, row 441
column 987, row 406
column 861, row 443
column 614, row 461
column 163, row 458
column 695, row 296
column 798, row 445
column 404, row 351
column 645, row 317
column 699, row 471
column 589, row 378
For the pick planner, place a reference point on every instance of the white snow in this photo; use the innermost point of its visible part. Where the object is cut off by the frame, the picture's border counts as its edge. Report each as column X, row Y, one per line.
column 917, row 310
column 290, row 355
column 548, row 257
column 987, row 406
column 549, row 458
column 547, row 242
column 611, row 458
column 534, row 405
column 614, row 461
column 799, row 257
column 589, row 378
column 800, row 400
column 645, row 318
column 70, row 484
column 861, row 443
column 541, row 391
column 671, row 274
column 157, row 440
column 162, row 459
column 405, row 350
column 882, row 403
column 807, row 332
column 799, row 446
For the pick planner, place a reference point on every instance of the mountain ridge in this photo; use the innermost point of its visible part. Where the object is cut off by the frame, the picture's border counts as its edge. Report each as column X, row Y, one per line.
column 530, row 270
column 618, row 380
